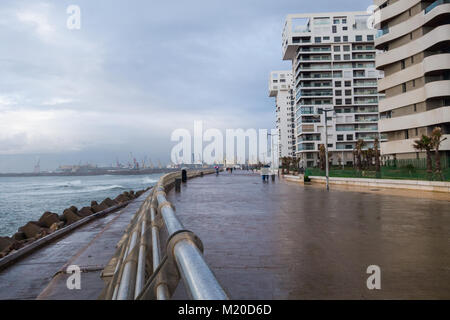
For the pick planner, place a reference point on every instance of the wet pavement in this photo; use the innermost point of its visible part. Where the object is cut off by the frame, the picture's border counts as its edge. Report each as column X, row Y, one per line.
column 40, row 276
column 288, row 241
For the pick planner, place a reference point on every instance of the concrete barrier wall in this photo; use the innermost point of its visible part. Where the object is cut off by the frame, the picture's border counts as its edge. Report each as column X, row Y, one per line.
column 436, row 186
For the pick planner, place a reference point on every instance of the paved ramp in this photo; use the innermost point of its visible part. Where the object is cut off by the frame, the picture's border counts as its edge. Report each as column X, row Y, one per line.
column 288, row 241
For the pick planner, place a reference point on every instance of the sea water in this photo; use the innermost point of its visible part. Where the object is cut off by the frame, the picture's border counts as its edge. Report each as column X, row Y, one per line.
column 23, row 199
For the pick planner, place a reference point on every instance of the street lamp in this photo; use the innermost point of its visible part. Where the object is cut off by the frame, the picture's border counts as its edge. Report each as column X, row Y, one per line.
column 271, row 149
column 326, row 144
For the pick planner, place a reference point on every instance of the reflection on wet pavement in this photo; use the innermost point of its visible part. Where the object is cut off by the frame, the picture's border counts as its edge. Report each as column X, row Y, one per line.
column 289, row 241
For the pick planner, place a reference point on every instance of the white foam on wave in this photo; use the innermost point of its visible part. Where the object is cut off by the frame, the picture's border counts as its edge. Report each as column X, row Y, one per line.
column 149, row 180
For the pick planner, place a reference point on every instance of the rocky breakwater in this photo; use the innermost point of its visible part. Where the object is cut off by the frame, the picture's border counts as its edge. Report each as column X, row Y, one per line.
column 50, row 222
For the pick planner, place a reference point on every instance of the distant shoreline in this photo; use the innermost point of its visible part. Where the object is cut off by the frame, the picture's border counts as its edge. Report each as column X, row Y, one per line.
column 98, row 172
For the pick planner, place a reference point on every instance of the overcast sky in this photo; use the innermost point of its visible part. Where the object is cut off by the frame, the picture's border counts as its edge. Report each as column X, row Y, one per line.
column 134, row 72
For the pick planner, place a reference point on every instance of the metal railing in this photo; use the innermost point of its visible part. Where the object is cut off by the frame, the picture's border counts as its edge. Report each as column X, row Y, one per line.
column 142, row 271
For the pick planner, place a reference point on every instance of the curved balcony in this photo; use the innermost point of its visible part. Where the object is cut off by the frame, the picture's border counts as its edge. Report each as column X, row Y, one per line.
column 411, row 24
column 430, row 90
column 431, row 63
column 437, row 35
column 395, row 9
column 416, row 120
column 406, row 146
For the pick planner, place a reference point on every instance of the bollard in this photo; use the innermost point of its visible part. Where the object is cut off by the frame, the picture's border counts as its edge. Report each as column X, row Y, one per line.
column 273, row 177
column 183, row 175
column 177, row 184
column 201, row 174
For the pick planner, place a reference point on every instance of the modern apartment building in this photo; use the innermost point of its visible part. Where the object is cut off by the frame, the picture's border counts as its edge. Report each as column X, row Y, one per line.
column 414, row 38
column 333, row 59
column 280, row 87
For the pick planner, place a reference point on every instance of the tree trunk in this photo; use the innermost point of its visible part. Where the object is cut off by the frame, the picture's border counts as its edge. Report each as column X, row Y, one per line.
column 429, row 162
column 438, row 163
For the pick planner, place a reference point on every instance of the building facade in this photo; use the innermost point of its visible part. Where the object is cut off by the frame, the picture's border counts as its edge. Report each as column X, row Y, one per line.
column 333, row 62
column 280, row 87
column 414, row 38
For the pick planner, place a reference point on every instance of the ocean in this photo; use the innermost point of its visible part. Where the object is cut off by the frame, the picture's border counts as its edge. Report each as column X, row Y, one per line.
column 23, row 199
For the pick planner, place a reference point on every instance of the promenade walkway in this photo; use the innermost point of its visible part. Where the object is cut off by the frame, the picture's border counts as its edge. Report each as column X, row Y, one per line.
column 40, row 275
column 288, row 241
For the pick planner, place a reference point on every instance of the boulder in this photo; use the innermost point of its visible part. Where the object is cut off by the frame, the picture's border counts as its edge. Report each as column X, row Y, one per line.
column 74, row 209
column 84, row 212
column 108, row 202
column 94, row 203
column 19, row 236
column 139, row 193
column 6, row 243
column 99, row 207
column 121, row 198
column 47, row 219
column 56, row 226
column 31, row 229
column 70, row 216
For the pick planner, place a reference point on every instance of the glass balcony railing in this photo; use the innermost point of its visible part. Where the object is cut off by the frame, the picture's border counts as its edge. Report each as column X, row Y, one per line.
column 435, row 4
column 382, row 32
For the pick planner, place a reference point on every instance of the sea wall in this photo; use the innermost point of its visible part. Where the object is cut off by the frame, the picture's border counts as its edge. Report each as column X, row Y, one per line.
column 50, row 222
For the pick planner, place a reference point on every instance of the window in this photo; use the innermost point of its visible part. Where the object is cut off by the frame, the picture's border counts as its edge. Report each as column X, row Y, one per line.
column 404, row 87
column 345, row 28
column 337, row 57
column 417, row 132
column 346, row 48
column 348, row 83
column 337, row 39
column 317, row 39
column 338, row 83
column 415, row 107
column 346, row 57
column 345, row 39
column 340, row 137
column 412, row 60
column 330, row 145
column 344, row 21
column 406, row 134
column 348, row 101
column 334, row 29
column 358, row 38
column 403, row 64
column 348, row 92
column 326, row 38
column 411, row 36
column 370, row 37
column 336, row 21
column 338, row 92
column 338, row 101
column 337, row 48
column 349, row 137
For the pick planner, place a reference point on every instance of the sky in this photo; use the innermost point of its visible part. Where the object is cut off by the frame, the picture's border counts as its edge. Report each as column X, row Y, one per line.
column 133, row 73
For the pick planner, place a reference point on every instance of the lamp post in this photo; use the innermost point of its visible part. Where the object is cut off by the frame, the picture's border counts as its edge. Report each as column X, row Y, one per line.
column 326, row 145
column 271, row 149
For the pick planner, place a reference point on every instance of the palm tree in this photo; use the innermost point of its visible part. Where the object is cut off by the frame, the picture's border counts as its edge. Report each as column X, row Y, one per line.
column 284, row 164
column 359, row 146
column 436, row 140
column 322, row 156
column 377, row 155
column 425, row 144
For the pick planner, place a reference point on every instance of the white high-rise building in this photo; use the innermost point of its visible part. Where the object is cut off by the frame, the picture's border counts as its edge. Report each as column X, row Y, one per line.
column 333, row 59
column 414, row 38
column 280, row 87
